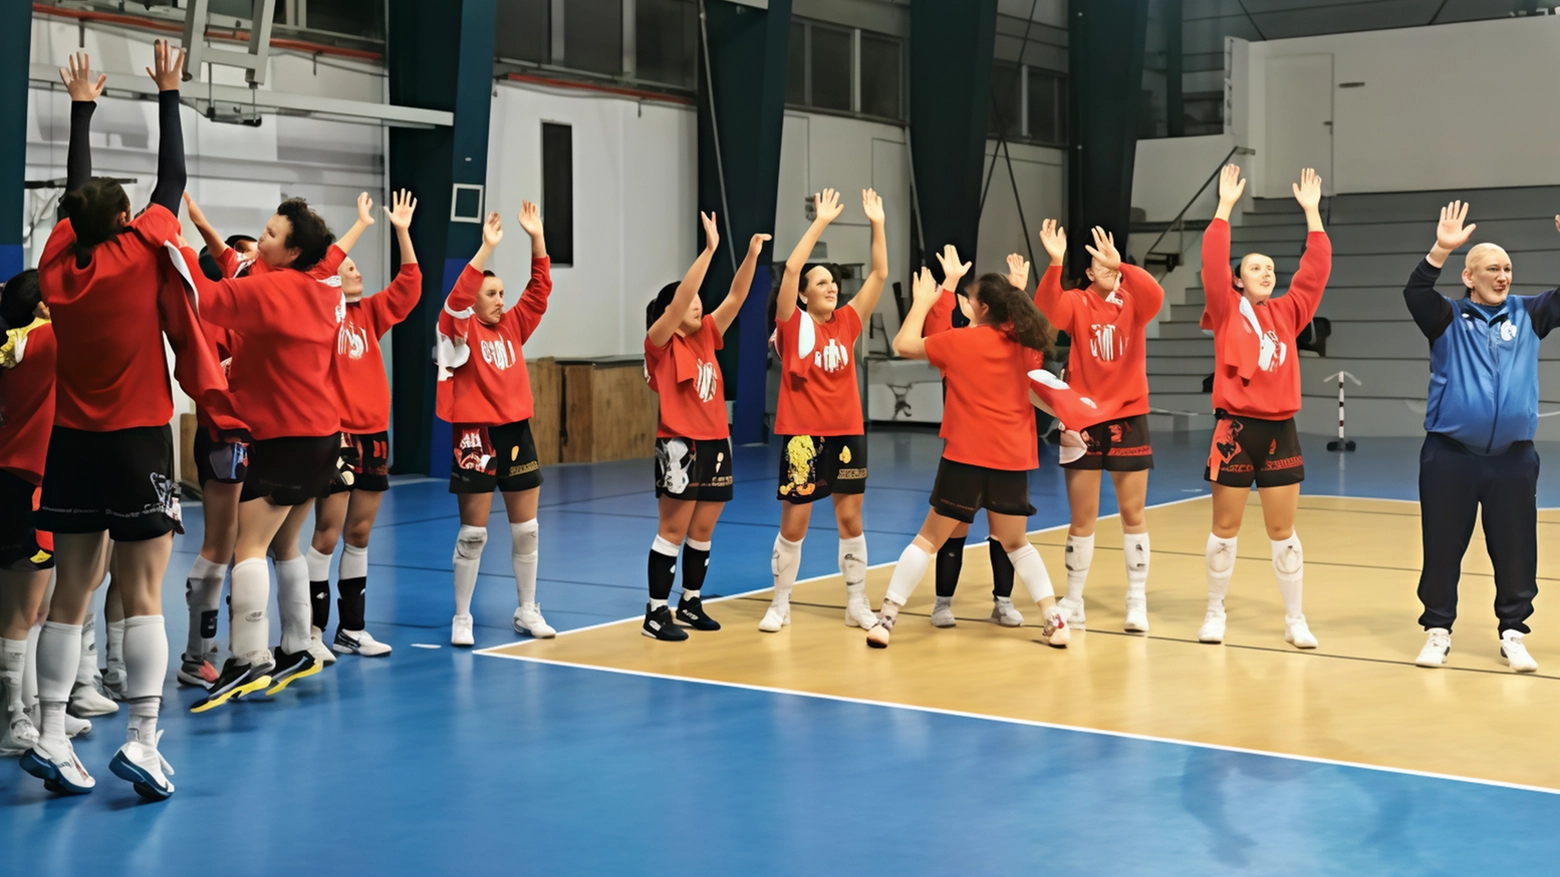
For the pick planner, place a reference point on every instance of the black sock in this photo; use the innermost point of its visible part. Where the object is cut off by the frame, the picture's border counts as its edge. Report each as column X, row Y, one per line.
column 663, row 569
column 319, row 599
column 1001, row 570
column 696, row 563
column 351, row 602
column 950, row 562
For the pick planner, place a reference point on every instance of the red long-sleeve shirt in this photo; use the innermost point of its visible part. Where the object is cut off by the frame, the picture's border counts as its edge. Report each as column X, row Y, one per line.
column 1108, row 335
column 358, row 369
column 490, row 386
column 27, row 363
column 1246, row 382
column 287, row 320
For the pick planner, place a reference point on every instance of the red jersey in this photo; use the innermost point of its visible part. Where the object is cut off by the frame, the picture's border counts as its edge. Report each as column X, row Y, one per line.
column 490, row 388
column 1108, row 335
column 288, row 320
column 222, row 342
column 27, row 362
column 686, row 376
column 358, row 370
column 1257, row 371
column 818, row 390
column 987, row 417
column 109, row 317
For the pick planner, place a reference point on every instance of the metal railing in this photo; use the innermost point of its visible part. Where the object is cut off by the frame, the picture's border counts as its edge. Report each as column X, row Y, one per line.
column 1178, row 225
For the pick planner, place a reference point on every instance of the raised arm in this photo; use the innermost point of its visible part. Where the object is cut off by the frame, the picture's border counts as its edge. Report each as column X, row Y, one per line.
column 533, row 301
column 531, row 221
column 1310, row 281
column 910, row 343
column 741, row 285
column 1147, row 295
column 215, row 245
column 661, row 330
column 866, row 300
column 828, row 209
column 365, row 208
column 84, row 93
column 456, row 315
column 396, row 301
column 171, row 174
column 1050, row 297
column 1218, row 288
column 1432, row 311
column 953, row 269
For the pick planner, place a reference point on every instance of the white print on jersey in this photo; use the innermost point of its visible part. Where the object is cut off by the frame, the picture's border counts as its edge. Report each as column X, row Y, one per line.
column 832, row 357
column 352, row 341
column 500, row 353
column 704, row 384
column 341, row 309
column 1272, row 352
column 1104, row 344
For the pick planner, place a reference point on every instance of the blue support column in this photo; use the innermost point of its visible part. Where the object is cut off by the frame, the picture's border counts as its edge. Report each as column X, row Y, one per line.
column 15, row 50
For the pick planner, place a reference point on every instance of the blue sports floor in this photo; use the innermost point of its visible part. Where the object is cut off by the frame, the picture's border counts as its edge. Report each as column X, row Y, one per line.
column 438, row 761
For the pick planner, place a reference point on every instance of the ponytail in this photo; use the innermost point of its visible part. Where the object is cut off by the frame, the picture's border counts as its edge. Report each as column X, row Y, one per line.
column 1007, row 306
column 95, row 212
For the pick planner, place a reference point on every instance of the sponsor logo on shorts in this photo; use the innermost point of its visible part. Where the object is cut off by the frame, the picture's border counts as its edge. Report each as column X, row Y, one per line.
column 1283, row 463
column 524, row 468
column 851, row 475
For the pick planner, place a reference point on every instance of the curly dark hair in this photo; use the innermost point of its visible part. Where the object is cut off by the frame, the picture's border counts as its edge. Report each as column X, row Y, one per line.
column 309, row 233
column 1006, row 305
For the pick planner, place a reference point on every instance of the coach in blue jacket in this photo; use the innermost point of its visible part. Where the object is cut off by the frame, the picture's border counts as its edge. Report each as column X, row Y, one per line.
column 1480, row 418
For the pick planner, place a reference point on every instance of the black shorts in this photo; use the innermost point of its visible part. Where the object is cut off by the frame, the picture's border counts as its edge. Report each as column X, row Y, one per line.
column 1116, row 446
column 698, row 470
column 813, row 467
column 221, row 460
column 120, row 481
column 962, row 489
column 291, row 471
column 488, row 457
column 1247, row 450
column 366, row 456
column 22, row 547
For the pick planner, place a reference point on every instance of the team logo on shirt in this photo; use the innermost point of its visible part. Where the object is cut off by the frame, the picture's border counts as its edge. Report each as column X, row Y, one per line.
column 351, row 341
column 500, row 353
column 704, row 384
column 1104, row 344
column 833, row 357
column 1272, row 352
column 1508, row 330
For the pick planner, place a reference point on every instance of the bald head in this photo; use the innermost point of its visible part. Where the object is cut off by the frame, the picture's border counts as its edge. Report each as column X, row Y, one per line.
column 1487, row 274
column 1482, row 253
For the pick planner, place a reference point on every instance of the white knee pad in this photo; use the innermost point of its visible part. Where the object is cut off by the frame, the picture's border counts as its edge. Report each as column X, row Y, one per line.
column 1221, row 554
column 1288, row 556
column 469, row 542
column 525, row 537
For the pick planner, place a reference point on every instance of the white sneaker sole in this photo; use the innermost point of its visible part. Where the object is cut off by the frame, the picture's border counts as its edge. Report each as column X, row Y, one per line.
column 1431, row 661
column 944, row 622
column 773, row 621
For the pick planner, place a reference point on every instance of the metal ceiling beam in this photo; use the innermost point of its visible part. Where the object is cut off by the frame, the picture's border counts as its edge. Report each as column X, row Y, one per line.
column 252, row 61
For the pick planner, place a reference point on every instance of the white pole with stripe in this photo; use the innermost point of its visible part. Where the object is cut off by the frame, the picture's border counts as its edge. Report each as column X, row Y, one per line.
column 1342, row 444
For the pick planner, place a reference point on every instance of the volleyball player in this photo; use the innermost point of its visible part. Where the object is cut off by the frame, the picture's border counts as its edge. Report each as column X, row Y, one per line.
column 693, row 480
column 484, row 392
column 1107, row 320
column 287, row 319
column 818, row 418
column 1256, row 394
column 113, row 295
column 989, row 428
column 358, row 377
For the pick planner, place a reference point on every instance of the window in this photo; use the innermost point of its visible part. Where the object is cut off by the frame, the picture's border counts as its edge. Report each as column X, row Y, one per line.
column 1047, row 107
column 593, row 35
column 523, row 31
column 1005, row 118
column 830, row 65
column 558, row 191
column 881, row 72
column 796, row 65
column 851, row 71
column 353, row 17
column 666, row 39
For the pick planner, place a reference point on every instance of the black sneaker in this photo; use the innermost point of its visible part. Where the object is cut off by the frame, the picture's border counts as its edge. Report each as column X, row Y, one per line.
column 235, row 680
column 290, row 667
column 658, row 625
column 691, row 613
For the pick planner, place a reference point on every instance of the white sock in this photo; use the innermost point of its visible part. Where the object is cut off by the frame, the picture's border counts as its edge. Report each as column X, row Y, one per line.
column 784, row 563
column 523, row 556
column 203, row 596
column 1080, row 555
column 853, row 565
column 656, row 604
column 59, row 650
column 1289, row 567
column 116, row 644
column 13, row 661
column 319, row 565
column 1137, row 563
column 467, row 560
column 30, row 667
column 86, row 665
column 248, row 629
column 146, row 666
column 354, row 563
column 292, row 601
column 1031, row 569
column 908, row 573
column 1220, row 557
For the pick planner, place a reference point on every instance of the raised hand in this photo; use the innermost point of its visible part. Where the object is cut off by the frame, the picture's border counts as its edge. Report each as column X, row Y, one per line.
column 365, row 206
column 1309, row 190
column 756, row 244
column 1450, row 233
column 400, row 209
column 1054, row 239
column 168, row 66
column 711, row 231
column 1018, row 271
column 493, row 230
column 197, row 216
column 78, row 78
column 828, row 206
column 872, row 205
column 953, row 269
column 1104, row 249
column 530, row 218
column 923, row 288
column 1231, row 186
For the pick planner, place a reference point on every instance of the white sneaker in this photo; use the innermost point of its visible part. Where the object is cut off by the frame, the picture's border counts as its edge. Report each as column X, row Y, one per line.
column 141, row 764
column 877, row 637
column 529, row 620
column 942, row 613
column 1073, row 610
column 1515, row 653
column 54, row 761
column 1056, row 633
column 858, row 613
column 86, row 701
column 19, row 737
column 1298, row 634
column 460, row 631
column 359, row 642
column 1212, row 630
column 778, row 615
column 114, row 681
column 1438, row 644
column 1005, row 613
column 322, row 655
column 1137, row 615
